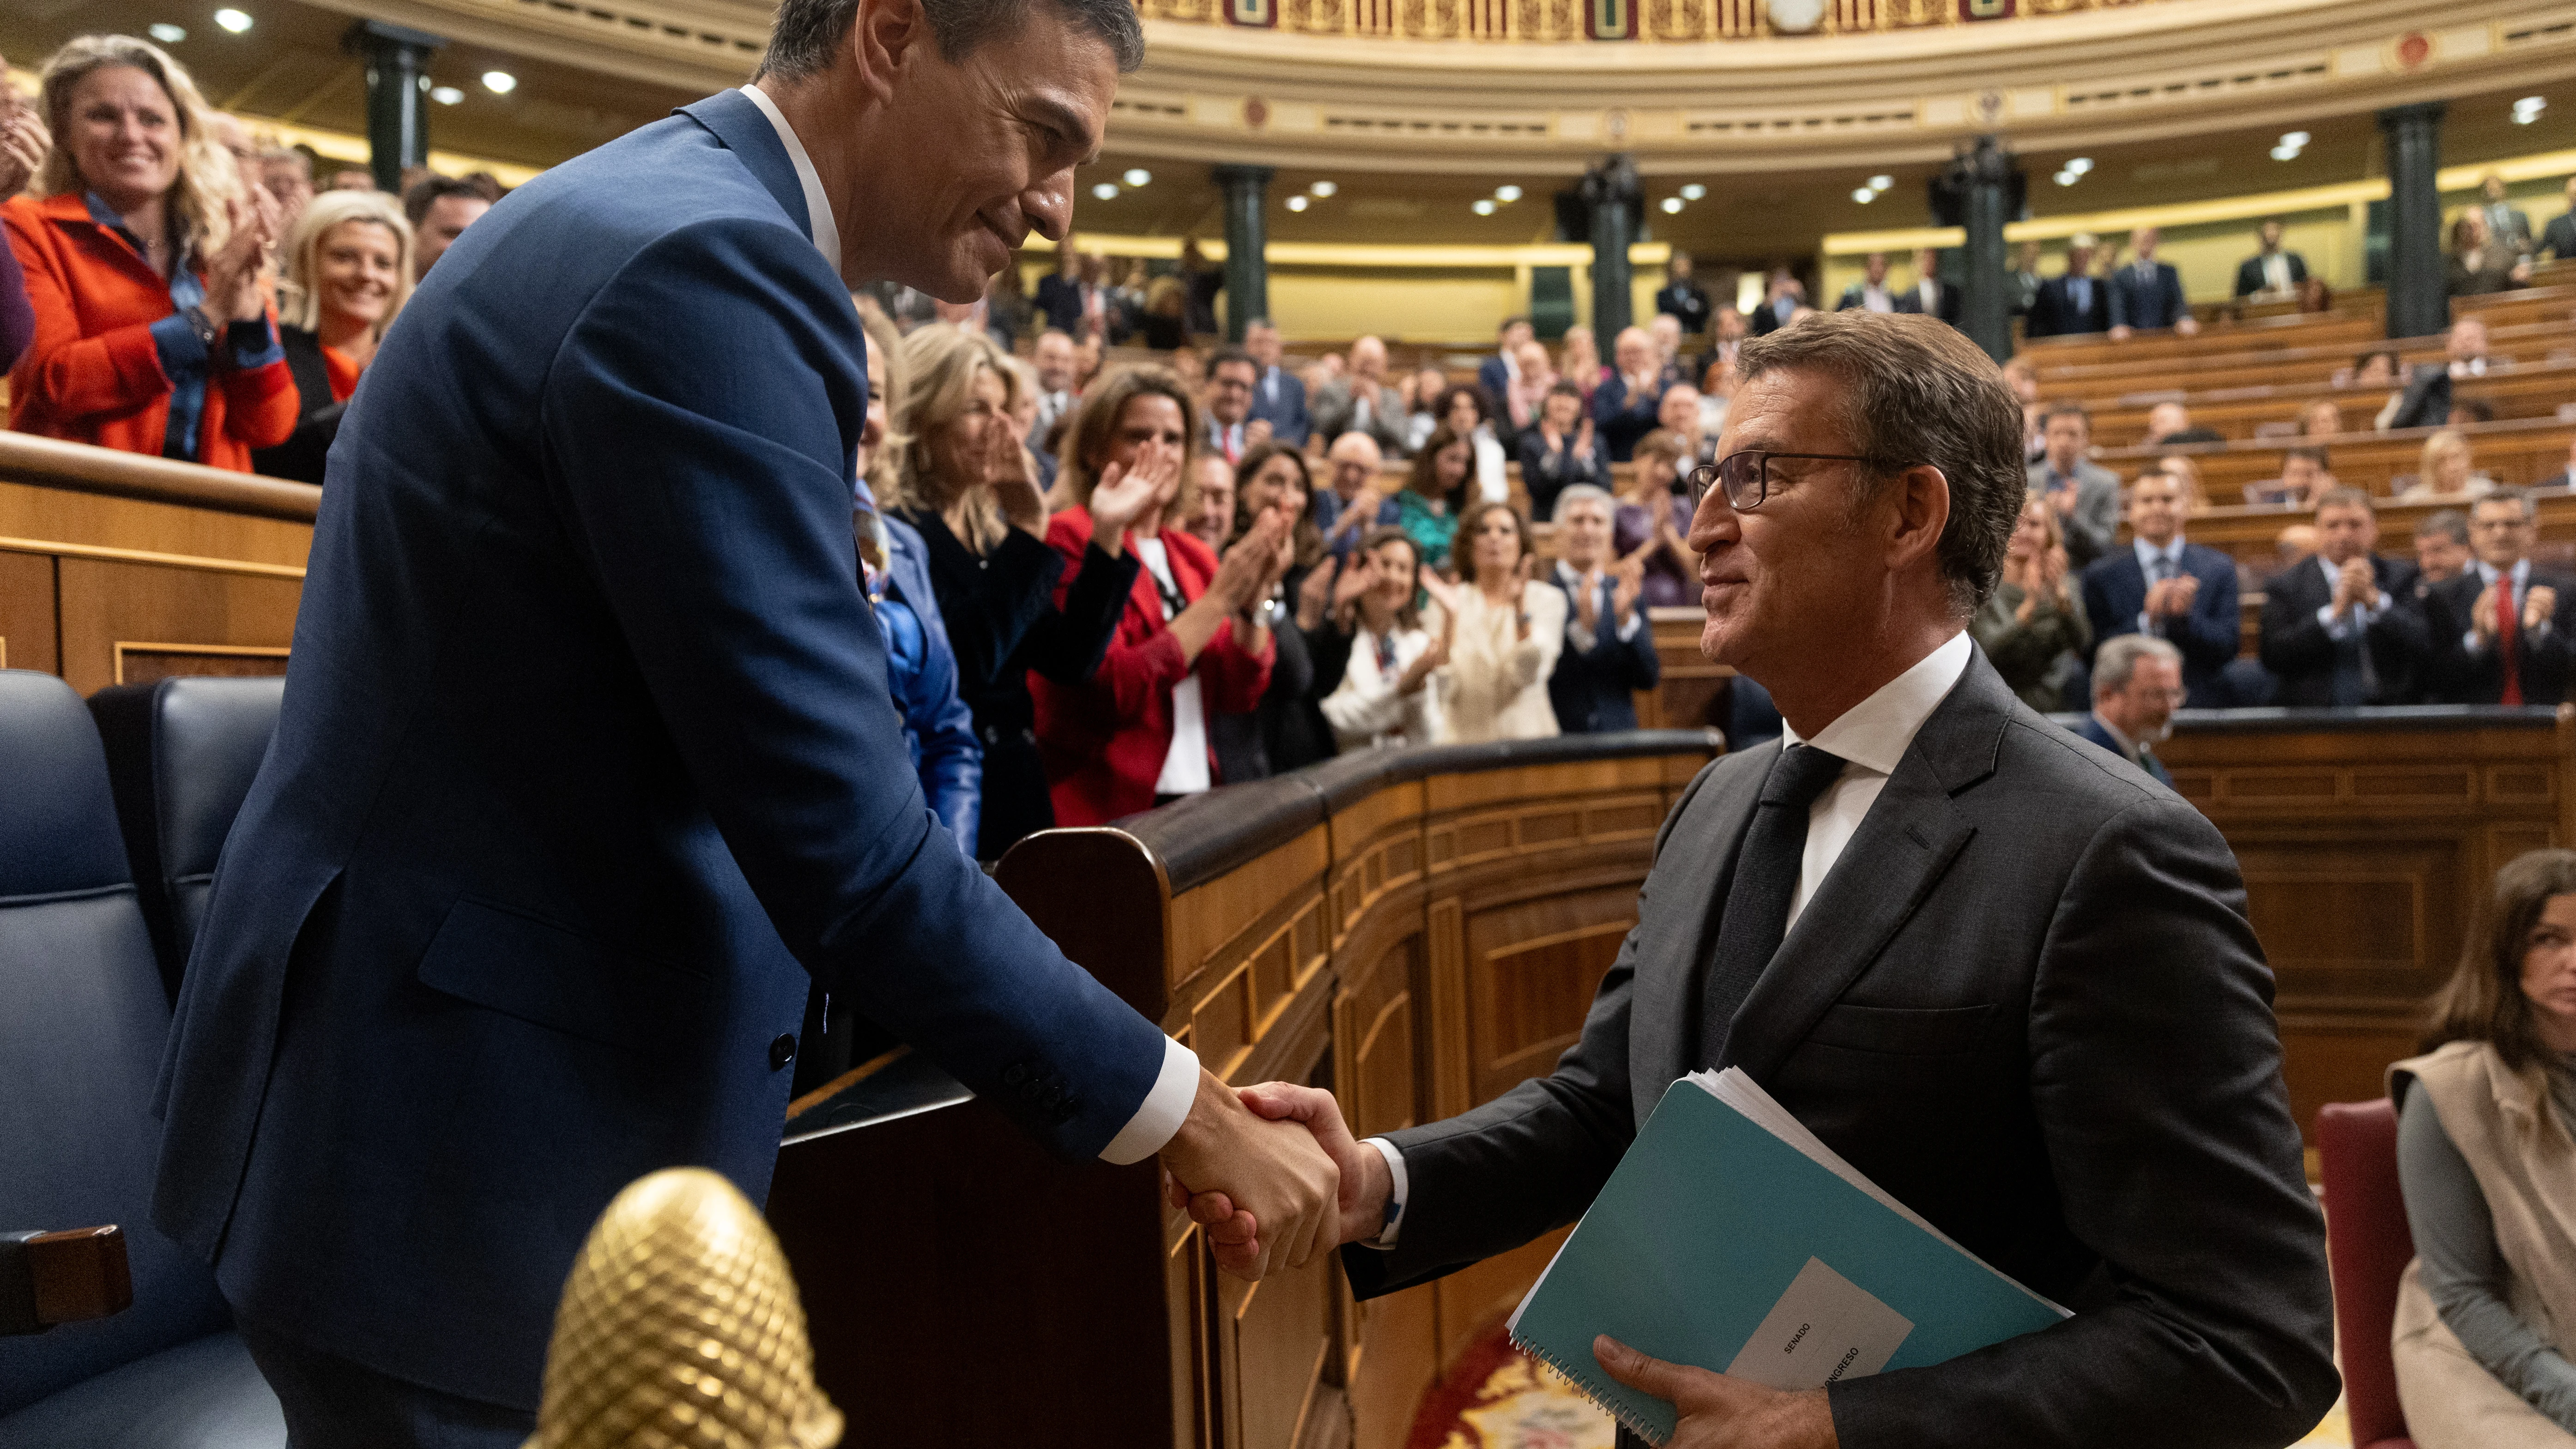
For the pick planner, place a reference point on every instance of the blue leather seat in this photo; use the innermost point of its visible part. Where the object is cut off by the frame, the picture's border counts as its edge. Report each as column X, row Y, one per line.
column 181, row 754
column 82, row 1022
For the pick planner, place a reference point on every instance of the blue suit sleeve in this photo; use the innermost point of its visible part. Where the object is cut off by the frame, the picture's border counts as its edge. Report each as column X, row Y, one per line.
column 2214, row 632
column 707, row 488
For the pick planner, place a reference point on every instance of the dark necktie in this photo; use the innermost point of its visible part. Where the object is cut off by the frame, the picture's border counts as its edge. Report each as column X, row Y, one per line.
column 2164, row 573
column 1766, row 881
column 2506, row 629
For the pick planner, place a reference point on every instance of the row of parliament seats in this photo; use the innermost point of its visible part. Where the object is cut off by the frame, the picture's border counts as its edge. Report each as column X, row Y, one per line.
column 93, row 917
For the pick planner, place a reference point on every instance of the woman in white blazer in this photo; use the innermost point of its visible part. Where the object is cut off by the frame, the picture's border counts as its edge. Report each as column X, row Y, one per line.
column 1506, row 634
column 1387, row 695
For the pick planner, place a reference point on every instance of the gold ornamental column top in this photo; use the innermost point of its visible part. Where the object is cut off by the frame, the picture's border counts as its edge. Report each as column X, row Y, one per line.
column 680, row 1328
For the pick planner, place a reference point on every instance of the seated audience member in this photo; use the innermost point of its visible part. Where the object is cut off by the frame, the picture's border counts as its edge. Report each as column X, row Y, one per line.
column 1087, row 354
column 2170, row 589
column 2442, row 550
column 1232, row 430
column 1278, row 396
column 2565, row 477
column 2320, row 419
column 1192, row 642
column 2270, row 272
column 1716, row 396
column 2032, row 626
column 1210, row 517
column 2482, row 1341
column 1531, row 382
column 1024, row 409
column 1355, row 503
column 2504, row 629
column 142, row 269
column 1362, row 402
column 1666, row 334
column 1386, row 696
column 2426, row 400
column 1467, row 411
column 1579, row 361
column 1286, row 730
column 2183, row 468
column 348, row 271
column 440, row 208
column 1006, row 308
column 1505, row 630
column 1651, row 528
column 2448, row 469
column 2023, row 379
column 288, row 175
column 1435, row 493
column 2479, row 262
column 966, row 485
column 1609, row 651
column 1497, row 373
column 1561, row 451
column 2146, row 294
column 2559, row 237
column 2072, row 302
column 1871, row 293
column 2085, row 495
column 352, row 178
column 2315, row 297
column 1164, row 319
column 2379, row 367
column 1061, row 297
column 1681, row 298
column 1624, row 406
column 1053, row 359
column 2304, row 480
column 2137, row 686
column 1679, row 414
column 2295, row 542
column 1782, row 297
column 1727, row 338
column 1421, row 394
column 2345, row 627
column 2507, row 224
column 2169, row 425
column 894, row 568
column 1930, row 295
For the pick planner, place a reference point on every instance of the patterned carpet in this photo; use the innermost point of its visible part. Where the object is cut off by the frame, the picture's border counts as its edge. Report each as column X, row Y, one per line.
column 1499, row 1398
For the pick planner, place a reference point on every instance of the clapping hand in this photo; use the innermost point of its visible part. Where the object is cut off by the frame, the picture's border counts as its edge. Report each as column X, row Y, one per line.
column 1256, row 433
column 1127, row 492
column 2355, row 585
column 232, row 274
column 2482, row 615
column 1631, row 574
column 2539, row 604
column 1586, row 589
column 1250, row 566
column 1520, row 595
column 1719, row 1412
column 24, row 142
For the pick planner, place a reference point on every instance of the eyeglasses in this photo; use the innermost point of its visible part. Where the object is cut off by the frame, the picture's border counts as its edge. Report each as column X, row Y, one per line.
column 1746, row 475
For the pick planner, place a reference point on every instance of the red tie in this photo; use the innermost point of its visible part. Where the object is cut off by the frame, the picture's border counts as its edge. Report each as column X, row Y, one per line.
column 2504, row 640
column 1234, row 443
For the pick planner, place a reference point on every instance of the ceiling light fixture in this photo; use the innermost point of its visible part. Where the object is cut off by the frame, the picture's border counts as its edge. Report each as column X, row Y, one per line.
column 1323, row 188
column 1507, row 194
column 2295, row 140
column 1881, row 183
column 1672, row 205
column 1296, row 203
column 1484, row 206
column 2285, row 153
column 1864, row 195
column 1105, row 190
column 232, row 20
column 2528, row 109
column 1137, row 176
column 167, row 33
column 500, row 82
column 446, row 95
column 2066, row 178
column 1694, row 192
column 2079, row 165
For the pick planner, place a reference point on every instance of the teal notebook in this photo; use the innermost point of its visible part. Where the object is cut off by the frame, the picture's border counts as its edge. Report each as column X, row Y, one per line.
column 1731, row 1238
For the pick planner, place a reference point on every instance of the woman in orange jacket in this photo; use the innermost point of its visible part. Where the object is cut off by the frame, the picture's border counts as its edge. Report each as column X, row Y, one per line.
column 153, row 333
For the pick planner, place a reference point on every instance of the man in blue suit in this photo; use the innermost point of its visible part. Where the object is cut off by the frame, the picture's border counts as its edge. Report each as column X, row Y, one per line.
column 1609, row 651
column 1497, row 373
column 2074, row 302
column 2148, row 293
column 2176, row 591
column 587, row 769
column 2137, row 685
column 1278, row 395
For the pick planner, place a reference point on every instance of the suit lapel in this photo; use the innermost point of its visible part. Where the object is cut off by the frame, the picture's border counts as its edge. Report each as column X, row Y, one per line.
column 1700, row 865
column 1906, row 842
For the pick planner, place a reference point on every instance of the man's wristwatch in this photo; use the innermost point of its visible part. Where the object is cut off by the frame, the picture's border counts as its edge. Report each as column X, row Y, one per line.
column 203, row 325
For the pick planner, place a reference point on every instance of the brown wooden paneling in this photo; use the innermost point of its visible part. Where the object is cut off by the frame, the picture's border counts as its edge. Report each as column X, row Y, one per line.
column 104, row 604
column 27, row 612
column 1533, row 970
column 34, row 512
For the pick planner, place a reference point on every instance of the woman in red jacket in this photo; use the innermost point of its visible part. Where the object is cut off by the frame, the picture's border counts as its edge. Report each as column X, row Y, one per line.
column 142, row 259
column 1188, row 646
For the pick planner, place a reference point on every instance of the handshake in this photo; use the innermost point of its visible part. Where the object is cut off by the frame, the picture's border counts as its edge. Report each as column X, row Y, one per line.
column 1273, row 1175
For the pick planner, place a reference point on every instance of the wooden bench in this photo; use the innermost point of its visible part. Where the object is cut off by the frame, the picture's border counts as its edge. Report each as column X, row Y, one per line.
column 2520, row 451
column 2055, row 355
column 2535, row 390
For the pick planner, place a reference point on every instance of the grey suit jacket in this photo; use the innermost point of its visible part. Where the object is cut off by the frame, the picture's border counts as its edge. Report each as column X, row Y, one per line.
column 2095, row 524
column 1336, row 410
column 2027, row 1003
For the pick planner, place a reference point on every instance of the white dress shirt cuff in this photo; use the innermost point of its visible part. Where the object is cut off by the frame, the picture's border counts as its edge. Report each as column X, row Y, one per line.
column 1166, row 1107
column 1629, row 626
column 1394, row 1198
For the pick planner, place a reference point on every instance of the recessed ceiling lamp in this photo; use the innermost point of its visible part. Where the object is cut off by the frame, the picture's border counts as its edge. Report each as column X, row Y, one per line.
column 1323, row 188
column 2526, row 110
column 1881, row 183
column 1105, row 190
column 1672, row 204
column 1864, row 196
column 500, row 82
column 446, row 95
column 1137, row 176
column 1484, row 206
column 167, row 33
column 1507, row 194
column 1694, row 191
column 1296, row 203
column 2079, row 166
column 232, row 20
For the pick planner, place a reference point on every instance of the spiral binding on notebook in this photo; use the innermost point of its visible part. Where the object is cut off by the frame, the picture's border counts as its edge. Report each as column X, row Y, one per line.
column 1590, row 1386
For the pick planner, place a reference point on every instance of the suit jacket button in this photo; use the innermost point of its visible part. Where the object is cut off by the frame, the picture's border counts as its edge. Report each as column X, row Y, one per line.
column 782, row 1051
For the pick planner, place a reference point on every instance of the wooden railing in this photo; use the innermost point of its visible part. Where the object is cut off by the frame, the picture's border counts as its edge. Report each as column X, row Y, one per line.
column 1416, row 930
column 1572, row 20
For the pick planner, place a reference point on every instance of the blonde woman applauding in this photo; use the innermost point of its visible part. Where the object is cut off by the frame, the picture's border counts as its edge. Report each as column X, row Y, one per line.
column 1506, row 632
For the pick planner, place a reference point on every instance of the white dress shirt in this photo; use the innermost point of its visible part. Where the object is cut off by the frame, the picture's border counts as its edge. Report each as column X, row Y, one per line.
column 1185, row 765
column 2359, row 616
column 1872, row 737
column 1176, row 1086
column 2148, row 553
column 2518, row 584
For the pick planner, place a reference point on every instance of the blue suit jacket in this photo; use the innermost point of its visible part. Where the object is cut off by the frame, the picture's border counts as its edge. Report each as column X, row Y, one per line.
column 1289, row 420
column 2158, row 303
column 2091, row 730
column 587, row 771
column 1496, row 380
column 2213, row 633
column 1594, row 690
column 921, row 666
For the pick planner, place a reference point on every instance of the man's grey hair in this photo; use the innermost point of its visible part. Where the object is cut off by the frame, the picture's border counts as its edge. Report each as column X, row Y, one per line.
column 1916, row 391
column 1580, row 493
column 2119, row 658
column 2520, row 498
column 807, row 32
column 2450, row 523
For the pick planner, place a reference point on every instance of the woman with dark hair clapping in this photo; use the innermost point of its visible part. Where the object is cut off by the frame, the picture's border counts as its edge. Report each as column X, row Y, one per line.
column 1287, row 729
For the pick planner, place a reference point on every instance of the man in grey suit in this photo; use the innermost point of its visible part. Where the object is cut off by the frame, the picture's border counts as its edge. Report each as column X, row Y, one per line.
column 2002, row 972
column 2084, row 494
column 1362, row 402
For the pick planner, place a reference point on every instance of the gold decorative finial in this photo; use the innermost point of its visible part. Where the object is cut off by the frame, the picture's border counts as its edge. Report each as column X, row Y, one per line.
column 680, row 1329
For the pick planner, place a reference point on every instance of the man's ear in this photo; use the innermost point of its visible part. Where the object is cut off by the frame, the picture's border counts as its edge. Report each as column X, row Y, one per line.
column 1922, row 497
column 884, row 35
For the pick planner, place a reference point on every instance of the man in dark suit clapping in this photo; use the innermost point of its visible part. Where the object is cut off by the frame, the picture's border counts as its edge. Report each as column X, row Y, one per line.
column 2005, row 975
column 1609, row 651
column 2345, row 627
column 2175, row 590
column 2505, row 629
column 1278, row 395
column 2074, row 302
